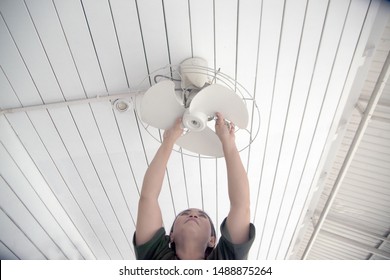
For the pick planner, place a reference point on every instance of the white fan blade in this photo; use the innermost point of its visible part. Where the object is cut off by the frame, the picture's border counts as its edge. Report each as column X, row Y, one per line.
column 216, row 98
column 159, row 106
column 205, row 142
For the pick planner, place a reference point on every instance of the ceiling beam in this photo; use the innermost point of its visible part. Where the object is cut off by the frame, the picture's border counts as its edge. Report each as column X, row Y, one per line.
column 356, row 244
column 368, row 113
column 381, row 245
column 350, row 226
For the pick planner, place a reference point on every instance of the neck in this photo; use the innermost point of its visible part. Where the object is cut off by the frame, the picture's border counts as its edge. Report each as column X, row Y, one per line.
column 190, row 251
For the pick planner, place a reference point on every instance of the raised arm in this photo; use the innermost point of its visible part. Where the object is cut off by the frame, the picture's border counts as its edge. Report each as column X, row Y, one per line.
column 238, row 219
column 149, row 218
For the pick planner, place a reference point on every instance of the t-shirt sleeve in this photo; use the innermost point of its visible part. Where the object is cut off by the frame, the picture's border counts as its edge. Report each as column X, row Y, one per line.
column 155, row 248
column 226, row 250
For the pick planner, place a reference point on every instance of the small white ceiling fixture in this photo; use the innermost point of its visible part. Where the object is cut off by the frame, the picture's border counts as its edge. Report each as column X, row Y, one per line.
column 203, row 92
column 121, row 105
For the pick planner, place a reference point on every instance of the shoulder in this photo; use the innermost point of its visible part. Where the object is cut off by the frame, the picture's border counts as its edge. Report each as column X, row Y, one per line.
column 227, row 250
column 157, row 248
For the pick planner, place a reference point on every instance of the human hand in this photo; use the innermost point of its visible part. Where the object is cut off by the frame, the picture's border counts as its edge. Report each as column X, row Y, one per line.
column 173, row 133
column 224, row 130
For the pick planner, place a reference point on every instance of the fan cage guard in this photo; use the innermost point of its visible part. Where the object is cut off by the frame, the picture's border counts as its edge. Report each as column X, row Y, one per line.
column 172, row 72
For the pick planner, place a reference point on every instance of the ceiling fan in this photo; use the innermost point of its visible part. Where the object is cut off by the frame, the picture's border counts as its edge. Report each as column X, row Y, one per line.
column 196, row 102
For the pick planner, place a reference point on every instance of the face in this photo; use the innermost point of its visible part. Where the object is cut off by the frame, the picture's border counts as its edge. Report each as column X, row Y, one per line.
column 195, row 224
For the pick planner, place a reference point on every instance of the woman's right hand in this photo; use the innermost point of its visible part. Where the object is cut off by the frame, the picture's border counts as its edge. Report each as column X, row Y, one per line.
column 224, row 130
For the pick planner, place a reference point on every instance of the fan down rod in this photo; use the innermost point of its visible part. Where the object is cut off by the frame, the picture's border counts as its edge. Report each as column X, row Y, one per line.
column 105, row 97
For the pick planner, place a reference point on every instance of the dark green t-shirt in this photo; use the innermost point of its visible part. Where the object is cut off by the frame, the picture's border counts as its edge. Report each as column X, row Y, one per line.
column 158, row 247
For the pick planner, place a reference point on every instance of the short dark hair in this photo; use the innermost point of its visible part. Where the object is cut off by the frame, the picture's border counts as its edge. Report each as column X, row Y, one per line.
column 213, row 233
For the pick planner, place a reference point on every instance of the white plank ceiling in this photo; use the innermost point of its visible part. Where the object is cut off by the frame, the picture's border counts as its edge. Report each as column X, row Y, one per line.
column 70, row 176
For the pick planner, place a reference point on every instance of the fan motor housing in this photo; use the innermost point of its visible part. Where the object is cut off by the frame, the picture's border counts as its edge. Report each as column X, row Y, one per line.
column 194, row 72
